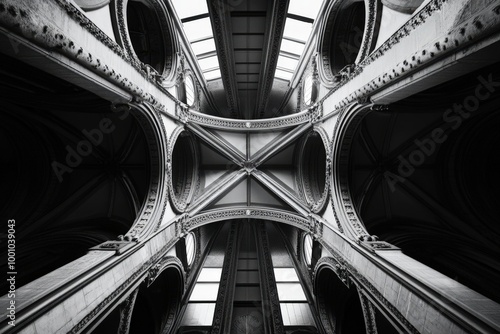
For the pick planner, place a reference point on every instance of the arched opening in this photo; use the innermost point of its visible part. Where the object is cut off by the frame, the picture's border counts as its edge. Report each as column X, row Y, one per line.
column 190, row 242
column 310, row 90
column 184, row 170
column 423, row 176
column 312, row 170
column 77, row 173
column 342, row 36
column 338, row 305
column 157, row 305
column 150, row 38
column 190, row 91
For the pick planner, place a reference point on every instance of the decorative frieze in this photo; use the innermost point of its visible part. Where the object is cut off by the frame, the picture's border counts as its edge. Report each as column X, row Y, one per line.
column 249, row 212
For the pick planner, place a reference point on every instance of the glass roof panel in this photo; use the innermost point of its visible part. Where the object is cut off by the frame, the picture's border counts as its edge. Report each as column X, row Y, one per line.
column 204, row 292
column 210, row 275
column 297, row 29
column 203, row 46
column 288, row 63
column 307, row 8
column 283, row 74
column 212, row 75
column 292, row 47
column 190, row 8
column 208, row 63
column 285, row 275
column 290, row 292
column 198, row 29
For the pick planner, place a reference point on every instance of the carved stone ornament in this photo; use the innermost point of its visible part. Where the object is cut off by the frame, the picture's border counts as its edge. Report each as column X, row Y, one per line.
column 115, row 246
column 277, row 215
column 160, row 266
column 149, row 219
column 275, row 123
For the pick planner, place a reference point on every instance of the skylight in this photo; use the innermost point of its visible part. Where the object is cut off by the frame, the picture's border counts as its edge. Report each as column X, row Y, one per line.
column 198, row 28
column 298, row 27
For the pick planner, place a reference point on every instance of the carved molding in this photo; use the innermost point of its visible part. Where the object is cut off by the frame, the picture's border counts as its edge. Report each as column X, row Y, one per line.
column 169, row 39
column 180, row 203
column 116, row 246
column 374, row 10
column 309, row 194
column 347, row 123
column 368, row 312
column 126, row 311
column 338, row 267
column 164, row 263
column 220, row 123
column 277, row 215
column 149, row 218
column 315, row 227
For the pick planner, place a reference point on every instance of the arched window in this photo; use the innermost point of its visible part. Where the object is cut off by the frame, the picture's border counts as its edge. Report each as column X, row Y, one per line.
column 190, row 91
column 308, row 249
column 190, row 248
column 309, row 91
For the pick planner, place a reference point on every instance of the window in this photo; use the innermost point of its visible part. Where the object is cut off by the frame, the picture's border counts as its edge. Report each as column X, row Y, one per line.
column 190, row 91
column 308, row 90
column 308, row 249
column 294, row 306
column 190, row 248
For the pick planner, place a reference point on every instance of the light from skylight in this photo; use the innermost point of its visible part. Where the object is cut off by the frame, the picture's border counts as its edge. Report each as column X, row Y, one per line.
column 198, row 29
column 212, row 75
column 190, row 8
column 287, row 63
column 292, row 47
column 208, row 63
column 307, row 8
column 203, row 46
column 297, row 29
column 283, row 74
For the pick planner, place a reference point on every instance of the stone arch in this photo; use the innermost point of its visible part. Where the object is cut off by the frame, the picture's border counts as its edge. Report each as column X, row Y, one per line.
column 159, row 298
column 183, row 165
column 347, row 35
column 337, row 299
column 144, row 28
column 313, row 168
column 347, row 124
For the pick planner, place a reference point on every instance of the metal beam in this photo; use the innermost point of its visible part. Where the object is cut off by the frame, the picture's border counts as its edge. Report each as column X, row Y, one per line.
column 216, row 191
column 281, row 192
column 275, row 28
column 219, row 144
column 221, row 24
column 279, row 144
